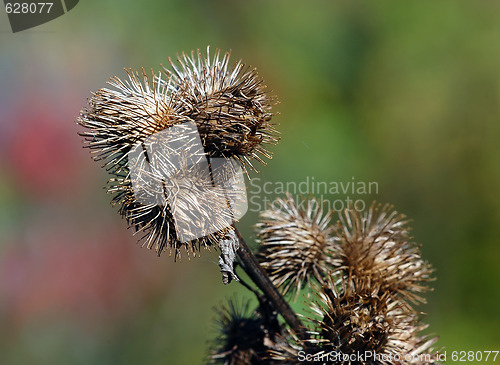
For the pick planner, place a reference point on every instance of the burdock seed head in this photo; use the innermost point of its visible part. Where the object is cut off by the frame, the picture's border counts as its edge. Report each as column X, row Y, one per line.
column 160, row 136
column 241, row 336
column 376, row 248
column 356, row 318
column 297, row 244
column 231, row 105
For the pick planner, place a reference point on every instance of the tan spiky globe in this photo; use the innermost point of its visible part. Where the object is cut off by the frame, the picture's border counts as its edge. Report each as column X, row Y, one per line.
column 297, row 246
column 375, row 246
column 229, row 108
column 357, row 317
column 229, row 104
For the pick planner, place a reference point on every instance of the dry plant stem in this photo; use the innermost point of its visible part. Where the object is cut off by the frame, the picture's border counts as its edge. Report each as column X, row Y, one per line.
column 261, row 279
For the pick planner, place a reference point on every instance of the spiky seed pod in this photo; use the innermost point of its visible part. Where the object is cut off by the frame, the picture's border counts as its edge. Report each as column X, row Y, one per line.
column 375, row 246
column 241, row 336
column 297, row 244
column 117, row 119
column 230, row 105
column 185, row 210
column 122, row 120
column 360, row 319
column 136, row 109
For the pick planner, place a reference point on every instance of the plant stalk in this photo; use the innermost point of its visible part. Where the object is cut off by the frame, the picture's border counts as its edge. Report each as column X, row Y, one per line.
column 253, row 269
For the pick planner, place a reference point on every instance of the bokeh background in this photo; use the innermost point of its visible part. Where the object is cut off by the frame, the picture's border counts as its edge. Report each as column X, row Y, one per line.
column 406, row 94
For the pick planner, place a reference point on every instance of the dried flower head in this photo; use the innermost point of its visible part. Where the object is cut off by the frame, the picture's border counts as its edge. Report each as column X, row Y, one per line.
column 231, row 106
column 365, row 270
column 241, row 336
column 360, row 319
column 166, row 182
column 185, row 210
column 375, row 246
column 297, row 246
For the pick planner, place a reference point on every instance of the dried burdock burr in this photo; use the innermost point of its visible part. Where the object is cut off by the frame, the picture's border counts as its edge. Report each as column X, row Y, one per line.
column 183, row 210
column 375, row 246
column 297, row 245
column 175, row 145
column 241, row 335
column 206, row 106
column 357, row 317
column 231, row 105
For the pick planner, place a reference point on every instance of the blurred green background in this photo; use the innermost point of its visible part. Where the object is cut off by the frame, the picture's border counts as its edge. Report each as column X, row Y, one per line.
column 406, row 94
